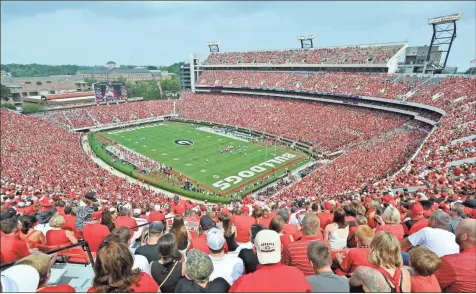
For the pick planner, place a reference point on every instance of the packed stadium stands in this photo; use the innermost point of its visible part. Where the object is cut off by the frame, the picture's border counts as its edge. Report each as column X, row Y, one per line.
column 382, row 196
column 365, row 54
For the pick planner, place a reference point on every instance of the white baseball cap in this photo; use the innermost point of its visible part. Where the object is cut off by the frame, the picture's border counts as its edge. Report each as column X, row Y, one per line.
column 137, row 211
column 268, row 247
column 13, row 279
column 215, row 239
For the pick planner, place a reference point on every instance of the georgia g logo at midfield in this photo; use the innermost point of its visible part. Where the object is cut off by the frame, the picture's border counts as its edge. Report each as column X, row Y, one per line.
column 183, row 142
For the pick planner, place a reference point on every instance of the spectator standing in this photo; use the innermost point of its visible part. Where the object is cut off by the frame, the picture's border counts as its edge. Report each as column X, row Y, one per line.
column 199, row 267
column 11, row 247
column 125, row 219
column 243, row 223
column 107, row 220
column 277, row 225
column 94, row 232
column 288, row 228
column 225, row 266
column 435, row 237
column 167, row 271
column 229, row 231
column 47, row 210
column 337, row 232
column 85, row 209
column 324, row 279
column 248, row 255
column 122, row 235
column 295, row 253
column 200, row 243
column 326, row 216
column 385, row 273
column 457, row 271
column 424, row 263
column 150, row 250
column 417, row 221
column 390, row 222
column 181, row 233
column 284, row 278
column 113, row 271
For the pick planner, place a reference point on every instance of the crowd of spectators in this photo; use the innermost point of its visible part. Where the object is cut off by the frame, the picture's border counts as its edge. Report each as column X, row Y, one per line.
column 107, row 114
column 335, row 55
column 308, row 236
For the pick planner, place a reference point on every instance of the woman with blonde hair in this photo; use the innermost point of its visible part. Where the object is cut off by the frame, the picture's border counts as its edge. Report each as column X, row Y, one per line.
column 57, row 236
column 386, row 272
column 389, row 221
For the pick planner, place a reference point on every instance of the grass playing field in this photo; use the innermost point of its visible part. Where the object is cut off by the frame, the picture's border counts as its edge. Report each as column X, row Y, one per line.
column 197, row 154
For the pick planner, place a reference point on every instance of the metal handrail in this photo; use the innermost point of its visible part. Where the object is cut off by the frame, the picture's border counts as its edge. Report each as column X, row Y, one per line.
column 82, row 243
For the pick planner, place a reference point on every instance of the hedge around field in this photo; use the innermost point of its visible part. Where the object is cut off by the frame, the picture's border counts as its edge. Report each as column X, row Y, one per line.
column 8, row 105
column 129, row 170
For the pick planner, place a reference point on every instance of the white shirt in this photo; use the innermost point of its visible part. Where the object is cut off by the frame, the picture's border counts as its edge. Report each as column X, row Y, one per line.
column 293, row 219
column 42, row 228
column 228, row 267
column 439, row 241
column 141, row 263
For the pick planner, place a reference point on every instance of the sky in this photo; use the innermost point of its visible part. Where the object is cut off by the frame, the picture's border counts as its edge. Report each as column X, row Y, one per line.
column 161, row 33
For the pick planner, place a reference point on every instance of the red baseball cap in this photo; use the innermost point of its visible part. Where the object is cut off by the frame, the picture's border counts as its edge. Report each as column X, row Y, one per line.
column 46, row 202
column 96, row 215
column 416, row 209
column 327, row 205
column 245, row 209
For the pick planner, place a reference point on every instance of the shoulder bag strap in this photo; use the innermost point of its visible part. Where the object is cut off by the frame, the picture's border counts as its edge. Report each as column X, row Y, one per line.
column 166, row 278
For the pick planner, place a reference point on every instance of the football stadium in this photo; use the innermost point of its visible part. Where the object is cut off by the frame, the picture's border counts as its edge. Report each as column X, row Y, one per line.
column 311, row 169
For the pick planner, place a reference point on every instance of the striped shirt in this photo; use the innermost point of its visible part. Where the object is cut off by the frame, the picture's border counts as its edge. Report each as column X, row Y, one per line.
column 295, row 254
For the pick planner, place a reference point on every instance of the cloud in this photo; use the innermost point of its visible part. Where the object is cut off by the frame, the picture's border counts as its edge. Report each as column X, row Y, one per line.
column 157, row 33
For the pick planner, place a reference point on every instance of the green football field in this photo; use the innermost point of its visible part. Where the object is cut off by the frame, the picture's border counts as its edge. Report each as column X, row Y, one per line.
column 197, row 154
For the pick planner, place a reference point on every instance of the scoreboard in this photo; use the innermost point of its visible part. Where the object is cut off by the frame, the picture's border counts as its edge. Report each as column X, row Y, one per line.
column 110, row 91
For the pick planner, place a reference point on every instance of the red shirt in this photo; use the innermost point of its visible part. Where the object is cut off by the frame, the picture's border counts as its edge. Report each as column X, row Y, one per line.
column 60, row 210
column 70, row 222
column 325, row 218
column 457, row 271
column 272, row 278
column 243, row 225
column 295, row 254
column 156, row 216
column 289, row 229
column 12, row 248
column 421, row 284
column 396, row 229
column 125, row 221
column 423, row 223
column 57, row 289
column 179, row 208
column 145, row 284
column 94, row 234
column 354, row 258
column 200, row 243
column 57, row 237
column 264, row 221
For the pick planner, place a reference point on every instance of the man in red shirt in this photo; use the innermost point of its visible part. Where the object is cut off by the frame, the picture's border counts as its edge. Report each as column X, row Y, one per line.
column 200, row 242
column 271, row 275
column 417, row 221
column 125, row 220
column 265, row 219
column 94, row 233
column 295, row 254
column 326, row 216
column 178, row 205
column 457, row 271
column 288, row 229
column 12, row 248
column 360, row 255
column 243, row 225
column 157, row 215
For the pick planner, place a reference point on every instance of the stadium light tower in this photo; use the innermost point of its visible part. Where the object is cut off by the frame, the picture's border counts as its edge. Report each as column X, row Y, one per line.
column 213, row 46
column 306, row 41
column 444, row 33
